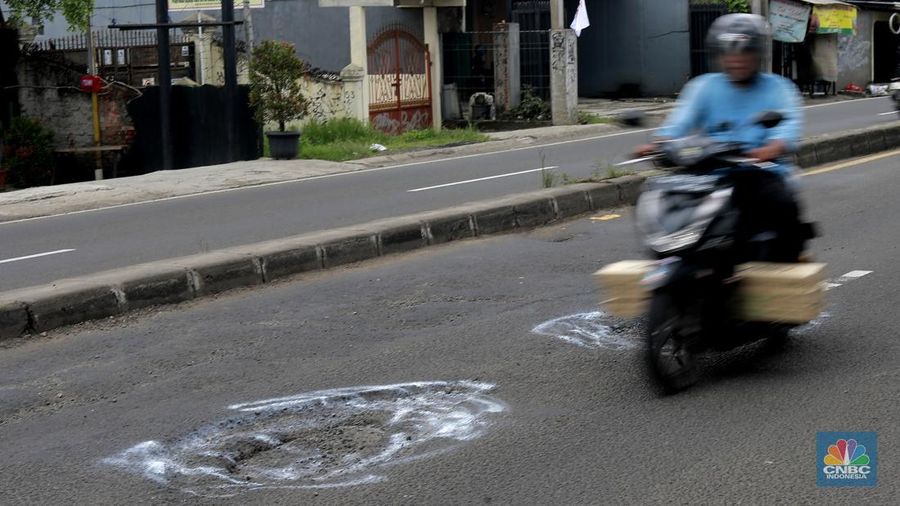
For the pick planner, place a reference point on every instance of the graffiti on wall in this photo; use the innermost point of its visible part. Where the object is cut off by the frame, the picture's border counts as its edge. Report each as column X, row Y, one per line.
column 325, row 98
column 854, row 53
column 396, row 122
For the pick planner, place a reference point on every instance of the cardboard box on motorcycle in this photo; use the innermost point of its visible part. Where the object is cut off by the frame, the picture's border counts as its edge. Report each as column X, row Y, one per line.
column 767, row 292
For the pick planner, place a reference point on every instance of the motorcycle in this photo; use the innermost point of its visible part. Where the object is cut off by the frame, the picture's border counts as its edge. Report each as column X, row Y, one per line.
column 690, row 225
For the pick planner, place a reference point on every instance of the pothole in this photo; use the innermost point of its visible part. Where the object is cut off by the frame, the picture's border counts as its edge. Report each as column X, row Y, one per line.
column 329, row 438
column 590, row 330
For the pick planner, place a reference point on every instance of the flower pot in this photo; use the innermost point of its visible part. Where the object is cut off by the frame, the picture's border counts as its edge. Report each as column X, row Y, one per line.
column 283, row 145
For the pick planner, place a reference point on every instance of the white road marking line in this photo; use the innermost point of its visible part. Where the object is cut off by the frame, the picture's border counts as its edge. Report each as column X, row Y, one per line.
column 846, row 278
column 887, row 113
column 854, row 275
column 36, row 255
column 467, row 181
column 843, row 102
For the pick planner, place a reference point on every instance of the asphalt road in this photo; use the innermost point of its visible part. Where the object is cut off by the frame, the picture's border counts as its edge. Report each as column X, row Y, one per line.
column 205, row 404
column 123, row 236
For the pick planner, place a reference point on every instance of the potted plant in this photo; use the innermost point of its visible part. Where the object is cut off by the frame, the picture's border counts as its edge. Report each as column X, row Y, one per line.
column 275, row 93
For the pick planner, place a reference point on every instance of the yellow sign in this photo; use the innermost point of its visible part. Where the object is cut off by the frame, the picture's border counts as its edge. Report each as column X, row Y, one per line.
column 836, row 19
column 208, row 5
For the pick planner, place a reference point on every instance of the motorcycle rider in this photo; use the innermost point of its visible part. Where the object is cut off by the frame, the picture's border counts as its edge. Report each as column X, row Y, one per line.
column 725, row 106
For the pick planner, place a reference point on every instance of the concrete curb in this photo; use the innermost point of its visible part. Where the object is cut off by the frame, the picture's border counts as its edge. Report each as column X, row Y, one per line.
column 834, row 147
column 76, row 300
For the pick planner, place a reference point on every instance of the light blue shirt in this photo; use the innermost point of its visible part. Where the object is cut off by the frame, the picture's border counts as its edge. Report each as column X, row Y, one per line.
column 712, row 105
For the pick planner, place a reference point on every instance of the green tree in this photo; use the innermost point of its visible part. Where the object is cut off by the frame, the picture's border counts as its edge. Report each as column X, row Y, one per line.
column 77, row 12
column 738, row 5
column 733, row 5
column 275, row 91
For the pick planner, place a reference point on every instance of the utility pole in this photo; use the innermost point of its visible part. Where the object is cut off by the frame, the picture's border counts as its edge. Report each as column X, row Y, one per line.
column 95, row 105
column 248, row 26
column 230, row 75
column 165, row 83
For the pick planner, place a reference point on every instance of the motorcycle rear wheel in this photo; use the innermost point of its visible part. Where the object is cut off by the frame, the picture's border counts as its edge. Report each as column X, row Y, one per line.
column 669, row 359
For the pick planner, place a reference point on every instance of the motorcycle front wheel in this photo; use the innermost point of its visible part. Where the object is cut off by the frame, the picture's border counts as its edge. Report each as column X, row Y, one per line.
column 670, row 361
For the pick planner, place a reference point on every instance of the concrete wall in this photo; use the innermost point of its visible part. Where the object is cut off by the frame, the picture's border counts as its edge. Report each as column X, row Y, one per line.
column 855, row 53
column 325, row 98
column 634, row 42
column 667, row 46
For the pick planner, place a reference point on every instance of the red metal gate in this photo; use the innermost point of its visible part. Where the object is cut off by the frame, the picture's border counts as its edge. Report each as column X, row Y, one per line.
column 399, row 82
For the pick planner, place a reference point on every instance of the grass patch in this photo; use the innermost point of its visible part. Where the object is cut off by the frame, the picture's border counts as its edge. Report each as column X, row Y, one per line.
column 348, row 139
column 549, row 179
column 338, row 151
column 586, row 118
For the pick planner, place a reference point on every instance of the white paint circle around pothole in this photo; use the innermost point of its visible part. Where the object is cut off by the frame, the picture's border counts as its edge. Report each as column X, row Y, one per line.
column 329, row 438
column 588, row 330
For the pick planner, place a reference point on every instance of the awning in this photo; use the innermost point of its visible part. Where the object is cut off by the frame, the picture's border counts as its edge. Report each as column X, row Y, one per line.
column 877, row 5
column 827, row 2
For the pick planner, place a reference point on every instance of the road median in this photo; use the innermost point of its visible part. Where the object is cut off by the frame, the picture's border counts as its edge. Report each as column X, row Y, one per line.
column 102, row 295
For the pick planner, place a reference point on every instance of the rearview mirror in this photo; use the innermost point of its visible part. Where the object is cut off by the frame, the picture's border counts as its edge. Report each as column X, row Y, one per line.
column 770, row 119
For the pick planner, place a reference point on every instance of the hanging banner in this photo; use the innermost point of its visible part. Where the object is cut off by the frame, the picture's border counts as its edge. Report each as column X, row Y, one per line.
column 210, row 5
column 789, row 20
column 836, row 19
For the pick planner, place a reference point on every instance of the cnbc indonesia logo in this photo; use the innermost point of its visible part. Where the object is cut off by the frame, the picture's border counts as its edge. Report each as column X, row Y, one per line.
column 846, row 460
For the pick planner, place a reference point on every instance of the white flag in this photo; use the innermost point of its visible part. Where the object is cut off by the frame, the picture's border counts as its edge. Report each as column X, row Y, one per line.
column 581, row 20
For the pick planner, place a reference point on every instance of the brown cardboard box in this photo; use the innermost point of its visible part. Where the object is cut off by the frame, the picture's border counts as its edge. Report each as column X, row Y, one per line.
column 779, row 306
column 621, row 289
column 791, row 293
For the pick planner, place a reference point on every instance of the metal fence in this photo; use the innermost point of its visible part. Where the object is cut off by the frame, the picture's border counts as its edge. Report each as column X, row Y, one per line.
column 533, row 17
column 469, row 61
column 106, row 38
column 128, row 57
column 702, row 17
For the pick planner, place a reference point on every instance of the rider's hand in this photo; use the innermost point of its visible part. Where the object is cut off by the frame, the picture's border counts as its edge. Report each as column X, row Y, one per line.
column 650, row 148
column 769, row 152
column 646, row 150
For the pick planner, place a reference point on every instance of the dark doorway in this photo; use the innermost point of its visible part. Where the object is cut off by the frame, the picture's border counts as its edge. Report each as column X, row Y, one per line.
column 884, row 57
